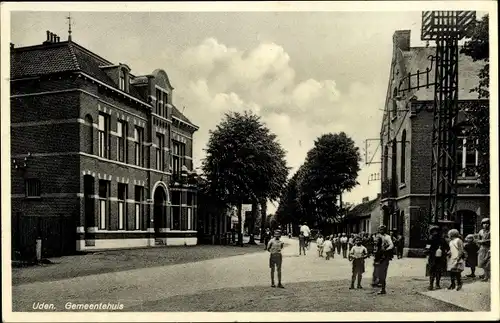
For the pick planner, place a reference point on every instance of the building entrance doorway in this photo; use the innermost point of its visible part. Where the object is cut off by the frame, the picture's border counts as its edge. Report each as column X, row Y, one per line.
column 160, row 208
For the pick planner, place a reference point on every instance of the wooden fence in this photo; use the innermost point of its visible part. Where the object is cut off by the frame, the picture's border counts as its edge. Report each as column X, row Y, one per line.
column 58, row 235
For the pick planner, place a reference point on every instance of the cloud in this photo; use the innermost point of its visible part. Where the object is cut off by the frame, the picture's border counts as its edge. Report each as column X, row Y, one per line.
column 217, row 78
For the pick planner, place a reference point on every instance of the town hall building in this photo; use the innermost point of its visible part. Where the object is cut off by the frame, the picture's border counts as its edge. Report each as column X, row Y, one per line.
column 101, row 158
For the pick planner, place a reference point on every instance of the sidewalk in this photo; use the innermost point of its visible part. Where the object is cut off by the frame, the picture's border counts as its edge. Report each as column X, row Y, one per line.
column 474, row 296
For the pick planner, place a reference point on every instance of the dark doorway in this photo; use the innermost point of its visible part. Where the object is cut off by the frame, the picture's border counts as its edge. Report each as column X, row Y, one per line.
column 401, row 223
column 160, row 206
column 467, row 220
column 385, row 216
column 88, row 194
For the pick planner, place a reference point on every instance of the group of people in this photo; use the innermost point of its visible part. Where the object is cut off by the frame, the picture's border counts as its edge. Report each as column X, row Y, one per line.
column 383, row 252
column 341, row 243
column 448, row 253
column 358, row 247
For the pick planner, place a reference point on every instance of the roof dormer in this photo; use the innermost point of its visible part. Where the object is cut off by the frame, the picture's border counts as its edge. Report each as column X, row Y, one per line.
column 120, row 74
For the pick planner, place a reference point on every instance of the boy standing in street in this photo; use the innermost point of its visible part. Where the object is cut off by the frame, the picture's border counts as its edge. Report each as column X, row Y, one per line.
column 274, row 247
column 357, row 255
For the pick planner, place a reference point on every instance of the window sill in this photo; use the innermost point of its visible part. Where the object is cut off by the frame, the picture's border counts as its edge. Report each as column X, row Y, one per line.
column 183, row 231
column 468, row 180
column 121, row 231
column 33, row 197
column 402, row 185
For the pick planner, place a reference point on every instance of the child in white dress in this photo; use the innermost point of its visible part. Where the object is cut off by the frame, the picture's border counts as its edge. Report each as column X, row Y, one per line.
column 456, row 259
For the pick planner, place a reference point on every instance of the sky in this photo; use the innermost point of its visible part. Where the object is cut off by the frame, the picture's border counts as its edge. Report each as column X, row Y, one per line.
column 304, row 73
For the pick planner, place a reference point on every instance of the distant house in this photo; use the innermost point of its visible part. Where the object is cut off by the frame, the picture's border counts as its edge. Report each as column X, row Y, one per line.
column 364, row 217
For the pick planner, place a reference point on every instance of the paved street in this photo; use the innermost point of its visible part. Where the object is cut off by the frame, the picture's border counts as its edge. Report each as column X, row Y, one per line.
column 240, row 283
column 121, row 260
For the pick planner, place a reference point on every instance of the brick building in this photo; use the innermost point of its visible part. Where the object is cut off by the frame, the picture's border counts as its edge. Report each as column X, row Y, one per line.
column 406, row 134
column 101, row 158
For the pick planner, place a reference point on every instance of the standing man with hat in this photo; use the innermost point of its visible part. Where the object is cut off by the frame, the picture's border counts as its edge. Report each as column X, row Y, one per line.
column 387, row 252
column 436, row 250
column 484, row 250
column 275, row 260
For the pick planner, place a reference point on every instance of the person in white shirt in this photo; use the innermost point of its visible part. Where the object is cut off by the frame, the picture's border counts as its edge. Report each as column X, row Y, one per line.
column 306, row 232
column 387, row 249
column 319, row 244
column 343, row 243
column 328, row 248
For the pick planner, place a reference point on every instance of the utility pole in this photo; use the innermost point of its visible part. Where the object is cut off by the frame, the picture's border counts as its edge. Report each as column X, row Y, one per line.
column 446, row 28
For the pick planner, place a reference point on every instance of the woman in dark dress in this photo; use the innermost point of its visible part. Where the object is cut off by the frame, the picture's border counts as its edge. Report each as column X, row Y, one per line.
column 437, row 249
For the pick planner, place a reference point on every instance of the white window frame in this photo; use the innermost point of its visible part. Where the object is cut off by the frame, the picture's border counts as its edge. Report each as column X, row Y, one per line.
column 463, row 162
column 121, row 143
column 121, row 80
column 137, row 219
column 121, row 215
column 160, row 151
column 103, row 205
column 138, row 149
column 138, row 207
column 189, row 218
column 103, row 126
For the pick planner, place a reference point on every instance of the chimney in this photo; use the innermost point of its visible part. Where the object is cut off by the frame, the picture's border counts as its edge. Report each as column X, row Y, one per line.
column 401, row 39
column 379, row 195
column 57, row 39
column 365, row 199
column 47, row 41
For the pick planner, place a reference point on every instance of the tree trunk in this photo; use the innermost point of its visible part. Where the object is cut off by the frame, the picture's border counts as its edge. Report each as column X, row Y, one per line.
column 263, row 218
column 240, row 225
column 251, row 224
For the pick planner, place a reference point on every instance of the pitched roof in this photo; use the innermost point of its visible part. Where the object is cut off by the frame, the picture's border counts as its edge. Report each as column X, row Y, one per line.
column 176, row 113
column 69, row 57
column 417, row 59
column 91, row 64
column 363, row 209
column 34, row 61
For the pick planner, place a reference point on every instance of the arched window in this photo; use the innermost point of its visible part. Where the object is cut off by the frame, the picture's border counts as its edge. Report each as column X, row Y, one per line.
column 402, row 176
column 394, row 103
column 89, row 138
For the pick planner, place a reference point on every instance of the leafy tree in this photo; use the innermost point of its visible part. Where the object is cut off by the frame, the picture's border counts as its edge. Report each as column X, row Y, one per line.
column 478, row 114
column 331, row 168
column 244, row 163
column 289, row 209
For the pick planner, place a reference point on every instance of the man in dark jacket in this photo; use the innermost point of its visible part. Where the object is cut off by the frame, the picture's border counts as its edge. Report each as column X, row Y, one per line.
column 436, row 249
